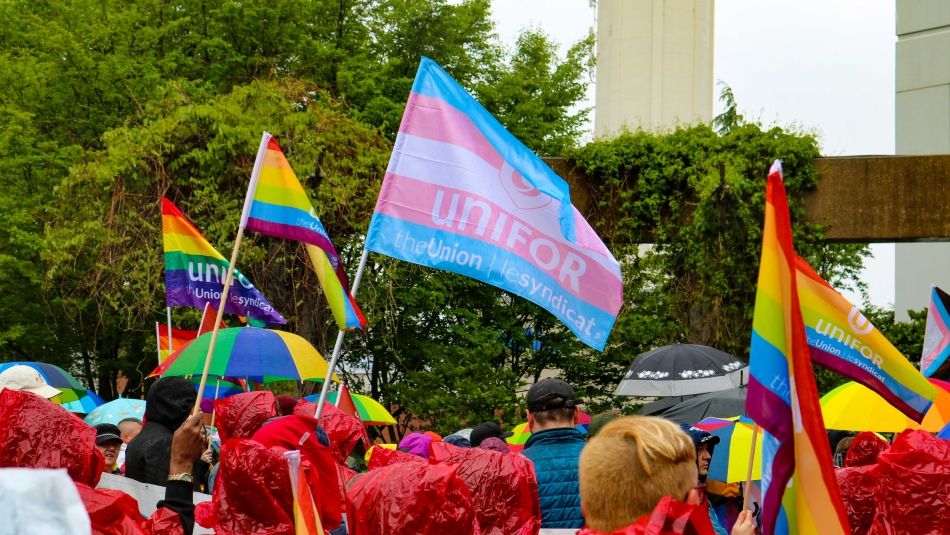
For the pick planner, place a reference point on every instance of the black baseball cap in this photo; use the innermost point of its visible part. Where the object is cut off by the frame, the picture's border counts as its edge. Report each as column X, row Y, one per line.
column 699, row 436
column 549, row 394
column 106, row 433
column 486, row 430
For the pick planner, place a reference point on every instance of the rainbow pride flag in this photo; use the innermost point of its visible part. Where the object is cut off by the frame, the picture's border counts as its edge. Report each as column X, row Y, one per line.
column 195, row 272
column 799, row 491
column 306, row 517
column 179, row 338
column 935, row 357
column 463, row 195
column 843, row 340
column 277, row 205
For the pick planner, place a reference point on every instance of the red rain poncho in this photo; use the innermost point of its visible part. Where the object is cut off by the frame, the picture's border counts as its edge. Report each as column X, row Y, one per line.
column 669, row 517
column 241, row 415
column 381, row 457
column 297, row 432
column 411, row 499
column 344, row 431
column 857, row 495
column 864, row 450
column 40, row 434
column 504, row 489
column 913, row 485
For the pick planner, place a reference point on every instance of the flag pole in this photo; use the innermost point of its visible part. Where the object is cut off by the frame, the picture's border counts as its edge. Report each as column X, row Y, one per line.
column 168, row 316
column 748, row 477
column 325, row 389
column 252, row 187
column 217, row 389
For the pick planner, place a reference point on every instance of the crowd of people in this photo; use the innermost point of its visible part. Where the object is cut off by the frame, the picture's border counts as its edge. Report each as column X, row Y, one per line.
column 627, row 475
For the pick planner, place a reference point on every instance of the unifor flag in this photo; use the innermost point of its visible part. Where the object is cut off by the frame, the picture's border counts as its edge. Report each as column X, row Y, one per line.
column 933, row 360
column 464, row 195
column 277, row 205
column 841, row 339
column 195, row 272
column 799, row 491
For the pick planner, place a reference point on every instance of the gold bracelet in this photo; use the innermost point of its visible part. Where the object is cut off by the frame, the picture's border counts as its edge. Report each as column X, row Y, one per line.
column 184, row 476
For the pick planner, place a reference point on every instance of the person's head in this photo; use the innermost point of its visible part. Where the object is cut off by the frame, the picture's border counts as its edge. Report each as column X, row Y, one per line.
column 629, row 466
column 551, row 404
column 495, row 444
column 598, row 422
column 169, row 402
column 285, row 404
column 129, row 428
column 416, row 444
column 486, row 430
column 704, row 443
column 457, row 441
column 26, row 379
column 109, row 442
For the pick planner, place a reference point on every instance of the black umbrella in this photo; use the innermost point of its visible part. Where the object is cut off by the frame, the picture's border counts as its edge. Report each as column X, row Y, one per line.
column 681, row 370
column 724, row 404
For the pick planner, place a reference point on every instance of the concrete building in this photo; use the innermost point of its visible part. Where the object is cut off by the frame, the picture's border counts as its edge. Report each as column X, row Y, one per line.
column 922, row 126
column 654, row 64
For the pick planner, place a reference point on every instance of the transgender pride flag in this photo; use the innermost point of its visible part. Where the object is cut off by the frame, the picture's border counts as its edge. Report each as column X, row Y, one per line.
column 464, row 195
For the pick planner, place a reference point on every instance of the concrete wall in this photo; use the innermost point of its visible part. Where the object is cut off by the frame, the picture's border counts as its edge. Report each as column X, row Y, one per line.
column 654, row 64
column 922, row 124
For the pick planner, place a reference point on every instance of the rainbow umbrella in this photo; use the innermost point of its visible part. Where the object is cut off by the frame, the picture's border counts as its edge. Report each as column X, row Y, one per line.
column 56, row 377
column 250, row 353
column 217, row 388
column 116, row 410
column 854, row 407
column 730, row 459
column 371, row 411
column 83, row 405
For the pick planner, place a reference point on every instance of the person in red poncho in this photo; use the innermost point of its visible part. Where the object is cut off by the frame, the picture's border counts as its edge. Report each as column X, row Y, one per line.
column 633, row 476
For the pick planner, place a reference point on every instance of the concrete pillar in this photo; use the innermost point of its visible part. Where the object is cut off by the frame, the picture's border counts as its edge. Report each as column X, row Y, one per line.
column 654, row 64
column 922, row 124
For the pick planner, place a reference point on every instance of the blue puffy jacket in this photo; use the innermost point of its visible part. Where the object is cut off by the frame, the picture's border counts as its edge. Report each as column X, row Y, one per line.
column 555, row 453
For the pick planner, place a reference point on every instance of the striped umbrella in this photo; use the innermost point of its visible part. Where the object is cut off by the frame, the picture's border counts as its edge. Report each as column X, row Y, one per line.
column 730, row 458
column 249, row 353
column 854, row 407
column 83, row 405
column 371, row 411
column 56, row 377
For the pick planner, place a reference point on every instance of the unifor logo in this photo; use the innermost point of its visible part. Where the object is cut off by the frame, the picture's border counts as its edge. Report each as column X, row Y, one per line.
column 522, row 193
column 858, row 323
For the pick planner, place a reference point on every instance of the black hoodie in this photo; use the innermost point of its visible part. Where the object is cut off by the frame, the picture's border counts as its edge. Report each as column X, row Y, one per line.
column 169, row 403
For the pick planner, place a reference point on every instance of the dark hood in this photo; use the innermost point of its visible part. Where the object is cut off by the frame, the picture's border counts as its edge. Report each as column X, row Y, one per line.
column 170, row 401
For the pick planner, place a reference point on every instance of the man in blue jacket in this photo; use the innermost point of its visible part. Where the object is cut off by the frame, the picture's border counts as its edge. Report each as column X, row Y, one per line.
column 554, row 448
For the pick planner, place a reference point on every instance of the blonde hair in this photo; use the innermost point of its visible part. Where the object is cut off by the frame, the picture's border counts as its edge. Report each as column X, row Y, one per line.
column 629, row 466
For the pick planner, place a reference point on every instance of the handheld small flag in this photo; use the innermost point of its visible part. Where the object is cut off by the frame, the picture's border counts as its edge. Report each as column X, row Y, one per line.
column 277, row 205
column 934, row 361
column 799, row 491
column 179, row 338
column 344, row 402
column 306, row 516
column 841, row 339
column 195, row 272
column 464, row 195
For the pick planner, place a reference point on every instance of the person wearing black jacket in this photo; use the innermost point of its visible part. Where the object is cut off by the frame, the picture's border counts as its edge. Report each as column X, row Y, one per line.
column 147, row 457
column 188, row 442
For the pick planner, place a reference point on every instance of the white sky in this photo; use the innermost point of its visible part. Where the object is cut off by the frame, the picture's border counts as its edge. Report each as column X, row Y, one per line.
column 825, row 66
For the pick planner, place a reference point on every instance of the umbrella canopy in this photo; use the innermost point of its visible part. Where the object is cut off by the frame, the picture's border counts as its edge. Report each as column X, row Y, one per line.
column 116, row 410
column 83, row 405
column 723, row 404
column 854, row 407
column 250, row 353
column 371, row 411
column 56, row 377
column 680, row 370
column 216, row 387
column 730, row 459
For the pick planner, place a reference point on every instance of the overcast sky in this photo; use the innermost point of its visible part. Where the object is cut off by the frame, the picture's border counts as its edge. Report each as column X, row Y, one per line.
column 824, row 66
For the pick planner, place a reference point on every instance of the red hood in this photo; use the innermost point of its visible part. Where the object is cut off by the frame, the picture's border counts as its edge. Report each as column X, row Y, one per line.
column 240, row 415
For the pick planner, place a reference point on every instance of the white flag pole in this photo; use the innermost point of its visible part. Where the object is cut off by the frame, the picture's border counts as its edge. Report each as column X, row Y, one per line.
column 168, row 316
column 339, row 338
column 251, row 189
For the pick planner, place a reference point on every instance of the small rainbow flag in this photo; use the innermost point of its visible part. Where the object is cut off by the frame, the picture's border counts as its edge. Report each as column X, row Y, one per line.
column 800, row 493
column 179, row 338
column 195, row 272
column 277, row 205
column 306, row 516
column 841, row 339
